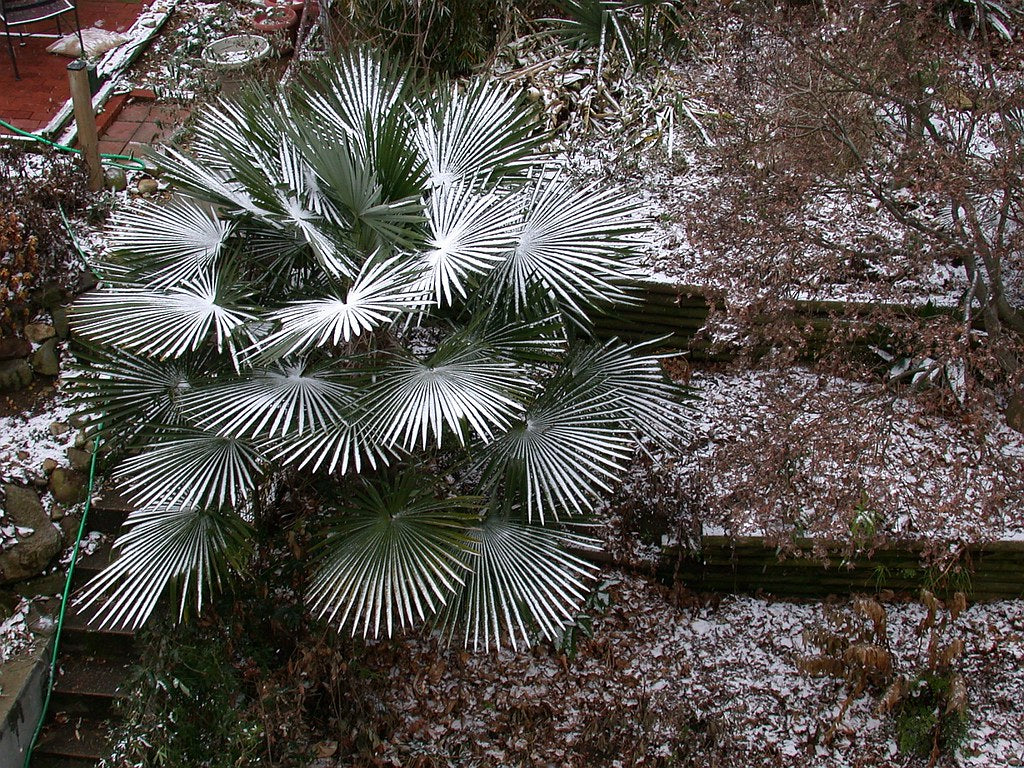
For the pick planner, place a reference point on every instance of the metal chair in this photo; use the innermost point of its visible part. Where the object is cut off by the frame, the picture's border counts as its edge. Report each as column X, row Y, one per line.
column 18, row 13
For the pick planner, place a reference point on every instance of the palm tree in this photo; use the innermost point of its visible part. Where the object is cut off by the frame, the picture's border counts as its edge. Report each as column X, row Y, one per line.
column 388, row 287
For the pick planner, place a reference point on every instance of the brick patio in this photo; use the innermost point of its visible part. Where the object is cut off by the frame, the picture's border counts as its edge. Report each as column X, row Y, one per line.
column 138, row 122
column 30, row 103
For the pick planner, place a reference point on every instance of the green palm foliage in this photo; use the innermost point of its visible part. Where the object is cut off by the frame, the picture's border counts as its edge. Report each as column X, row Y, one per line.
column 390, row 288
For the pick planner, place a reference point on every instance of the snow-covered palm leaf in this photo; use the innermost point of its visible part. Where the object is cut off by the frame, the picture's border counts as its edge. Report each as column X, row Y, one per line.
column 204, row 182
column 475, row 133
column 191, row 468
column 471, row 230
column 294, row 398
column 459, row 386
column 520, row 577
column 651, row 404
column 579, row 245
column 189, row 548
column 358, row 90
column 133, row 392
column 566, row 451
column 395, row 557
column 172, row 242
column 524, row 341
column 348, row 443
column 237, row 129
column 385, row 289
column 163, row 322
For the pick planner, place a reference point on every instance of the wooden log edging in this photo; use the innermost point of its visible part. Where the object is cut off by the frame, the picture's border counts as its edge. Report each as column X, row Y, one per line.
column 816, row 569
column 679, row 312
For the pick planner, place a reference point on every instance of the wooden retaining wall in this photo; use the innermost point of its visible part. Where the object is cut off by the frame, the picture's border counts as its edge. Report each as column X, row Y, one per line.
column 990, row 571
column 680, row 311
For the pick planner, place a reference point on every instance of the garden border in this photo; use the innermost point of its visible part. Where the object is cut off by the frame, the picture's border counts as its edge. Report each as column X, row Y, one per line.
column 816, row 568
column 21, row 708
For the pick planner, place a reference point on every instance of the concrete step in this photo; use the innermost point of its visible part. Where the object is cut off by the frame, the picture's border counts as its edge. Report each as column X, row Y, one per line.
column 108, row 511
column 89, row 685
column 72, row 738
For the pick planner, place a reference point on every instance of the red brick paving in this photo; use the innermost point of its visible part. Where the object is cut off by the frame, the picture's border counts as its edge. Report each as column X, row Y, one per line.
column 30, row 103
column 141, row 122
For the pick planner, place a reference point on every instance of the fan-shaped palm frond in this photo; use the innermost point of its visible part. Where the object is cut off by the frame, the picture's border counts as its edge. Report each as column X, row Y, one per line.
column 568, row 448
column 383, row 290
column 460, row 385
column 173, row 243
column 520, row 578
column 295, row 398
column 650, row 403
column 190, row 468
column 580, row 245
column 475, row 133
column 350, row 181
column 396, row 555
column 202, row 181
column 357, row 90
column 163, row 322
column 132, row 392
column 521, row 341
column 243, row 128
column 471, row 230
column 166, row 545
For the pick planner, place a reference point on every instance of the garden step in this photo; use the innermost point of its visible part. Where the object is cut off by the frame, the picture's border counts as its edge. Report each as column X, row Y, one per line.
column 90, row 565
column 108, row 511
column 61, row 761
column 82, row 636
column 72, row 738
column 89, row 684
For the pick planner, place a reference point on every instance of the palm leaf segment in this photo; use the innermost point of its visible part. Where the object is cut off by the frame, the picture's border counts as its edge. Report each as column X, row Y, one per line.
column 133, row 392
column 164, row 322
column 191, row 469
column 194, row 549
column 477, row 133
column 267, row 403
column 562, row 456
column 384, row 290
column 182, row 240
column 577, row 438
column 461, row 385
column 578, row 245
column 471, row 231
column 521, row 579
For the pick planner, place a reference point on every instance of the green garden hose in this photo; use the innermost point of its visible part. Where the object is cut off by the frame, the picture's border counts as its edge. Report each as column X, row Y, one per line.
column 71, row 566
column 109, row 159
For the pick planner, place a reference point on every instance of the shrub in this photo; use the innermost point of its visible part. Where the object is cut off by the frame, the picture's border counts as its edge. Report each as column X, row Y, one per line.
column 34, row 247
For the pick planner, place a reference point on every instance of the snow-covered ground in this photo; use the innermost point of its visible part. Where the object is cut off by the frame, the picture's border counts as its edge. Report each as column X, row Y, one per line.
column 701, row 684
column 791, row 451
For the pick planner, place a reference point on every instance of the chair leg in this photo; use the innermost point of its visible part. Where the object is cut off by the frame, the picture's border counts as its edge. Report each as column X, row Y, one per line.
column 10, row 49
column 78, row 31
